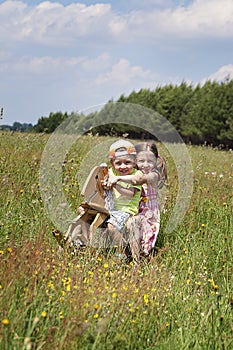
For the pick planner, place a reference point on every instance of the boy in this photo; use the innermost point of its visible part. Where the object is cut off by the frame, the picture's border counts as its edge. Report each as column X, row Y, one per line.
column 126, row 197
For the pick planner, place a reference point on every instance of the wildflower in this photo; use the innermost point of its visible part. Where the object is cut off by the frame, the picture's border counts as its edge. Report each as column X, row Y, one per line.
column 51, row 285
column 1, row 252
column 146, row 299
column 96, row 306
column 95, row 316
column 36, row 319
column 27, row 343
column 5, row 321
column 43, row 314
column 114, row 295
column 105, row 265
column 9, row 249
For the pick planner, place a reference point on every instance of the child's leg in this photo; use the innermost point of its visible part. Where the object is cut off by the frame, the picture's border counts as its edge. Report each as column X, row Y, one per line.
column 117, row 238
column 85, row 231
column 133, row 227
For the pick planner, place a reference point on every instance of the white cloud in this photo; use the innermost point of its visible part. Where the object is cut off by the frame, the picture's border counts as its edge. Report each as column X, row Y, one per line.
column 57, row 25
column 51, row 23
column 203, row 18
column 123, row 73
column 48, row 65
column 221, row 74
column 101, row 62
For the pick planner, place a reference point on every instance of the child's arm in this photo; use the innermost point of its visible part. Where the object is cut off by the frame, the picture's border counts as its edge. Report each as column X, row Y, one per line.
column 126, row 192
column 136, row 179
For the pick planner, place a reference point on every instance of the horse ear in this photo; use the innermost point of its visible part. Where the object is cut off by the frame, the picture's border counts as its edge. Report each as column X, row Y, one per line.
column 101, row 176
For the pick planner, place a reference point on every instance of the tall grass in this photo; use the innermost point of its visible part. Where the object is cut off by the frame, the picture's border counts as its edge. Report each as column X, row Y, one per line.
column 180, row 299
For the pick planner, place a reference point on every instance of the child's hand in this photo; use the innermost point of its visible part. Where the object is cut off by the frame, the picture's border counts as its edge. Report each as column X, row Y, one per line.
column 111, row 182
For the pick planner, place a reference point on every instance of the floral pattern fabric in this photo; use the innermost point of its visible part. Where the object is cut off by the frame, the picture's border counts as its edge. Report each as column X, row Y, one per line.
column 149, row 215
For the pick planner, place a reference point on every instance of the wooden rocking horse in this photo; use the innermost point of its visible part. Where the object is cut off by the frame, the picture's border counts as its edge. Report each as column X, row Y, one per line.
column 93, row 212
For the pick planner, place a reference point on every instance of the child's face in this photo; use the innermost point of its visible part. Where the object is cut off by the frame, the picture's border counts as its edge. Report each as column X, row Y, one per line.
column 123, row 165
column 146, row 161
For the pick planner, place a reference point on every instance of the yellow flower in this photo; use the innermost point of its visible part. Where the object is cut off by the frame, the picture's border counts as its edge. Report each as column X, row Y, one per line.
column 5, row 321
column 114, row 295
column 95, row 316
column 96, row 306
column 146, row 299
column 105, row 265
column 43, row 314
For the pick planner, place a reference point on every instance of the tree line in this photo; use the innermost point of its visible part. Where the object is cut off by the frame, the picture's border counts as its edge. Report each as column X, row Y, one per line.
column 200, row 114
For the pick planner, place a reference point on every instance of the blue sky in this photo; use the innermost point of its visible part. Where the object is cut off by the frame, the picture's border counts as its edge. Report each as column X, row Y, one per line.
column 69, row 55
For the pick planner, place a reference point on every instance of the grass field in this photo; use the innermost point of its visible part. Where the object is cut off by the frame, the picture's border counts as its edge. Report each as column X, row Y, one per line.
column 181, row 299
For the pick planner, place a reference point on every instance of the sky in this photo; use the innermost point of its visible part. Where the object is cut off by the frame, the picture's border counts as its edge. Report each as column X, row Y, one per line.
column 73, row 56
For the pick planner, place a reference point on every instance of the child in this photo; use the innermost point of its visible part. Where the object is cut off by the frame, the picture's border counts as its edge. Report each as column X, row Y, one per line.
column 126, row 196
column 148, row 219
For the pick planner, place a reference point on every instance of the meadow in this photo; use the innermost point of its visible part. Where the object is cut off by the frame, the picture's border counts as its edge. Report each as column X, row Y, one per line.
column 181, row 299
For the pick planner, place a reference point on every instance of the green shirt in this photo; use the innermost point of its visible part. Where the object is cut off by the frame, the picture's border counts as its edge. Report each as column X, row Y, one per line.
column 123, row 203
